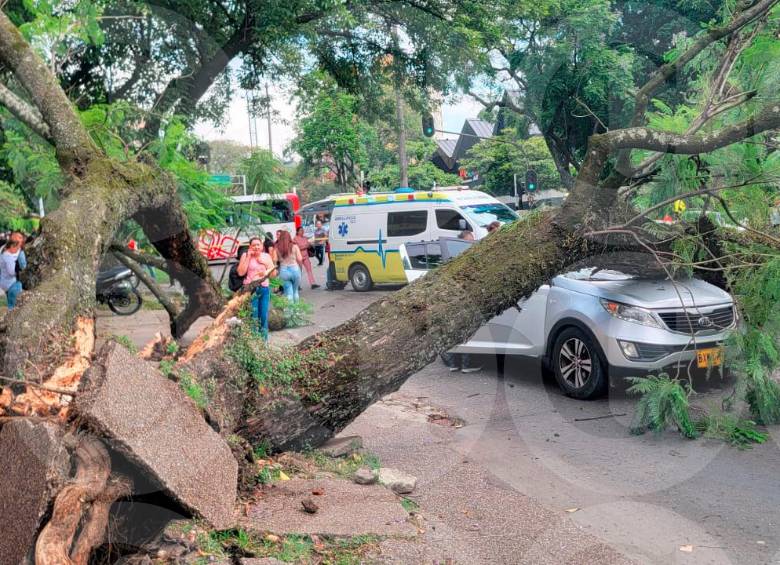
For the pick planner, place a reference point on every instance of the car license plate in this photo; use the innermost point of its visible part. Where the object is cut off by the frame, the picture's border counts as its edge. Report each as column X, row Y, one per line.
column 711, row 357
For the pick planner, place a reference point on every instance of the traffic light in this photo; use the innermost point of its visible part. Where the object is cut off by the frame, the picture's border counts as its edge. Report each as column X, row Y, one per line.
column 427, row 125
column 531, row 182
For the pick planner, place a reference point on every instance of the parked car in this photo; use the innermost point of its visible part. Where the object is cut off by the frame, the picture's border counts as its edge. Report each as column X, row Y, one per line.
column 590, row 324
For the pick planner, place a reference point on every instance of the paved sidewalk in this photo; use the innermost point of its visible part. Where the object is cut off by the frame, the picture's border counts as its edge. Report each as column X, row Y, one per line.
column 468, row 515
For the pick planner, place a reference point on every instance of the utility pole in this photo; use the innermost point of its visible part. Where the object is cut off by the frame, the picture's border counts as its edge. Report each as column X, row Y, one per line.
column 268, row 100
column 250, row 103
column 403, row 163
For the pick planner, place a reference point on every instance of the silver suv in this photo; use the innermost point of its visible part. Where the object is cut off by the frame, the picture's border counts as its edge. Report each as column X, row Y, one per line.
column 588, row 324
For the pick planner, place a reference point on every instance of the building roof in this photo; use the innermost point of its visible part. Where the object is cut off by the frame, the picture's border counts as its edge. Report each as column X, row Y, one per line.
column 447, row 146
column 480, row 127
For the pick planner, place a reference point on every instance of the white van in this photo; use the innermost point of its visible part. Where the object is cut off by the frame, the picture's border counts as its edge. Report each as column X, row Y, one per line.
column 366, row 231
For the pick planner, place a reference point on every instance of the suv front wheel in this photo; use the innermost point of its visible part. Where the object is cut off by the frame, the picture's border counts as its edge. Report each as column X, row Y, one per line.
column 578, row 365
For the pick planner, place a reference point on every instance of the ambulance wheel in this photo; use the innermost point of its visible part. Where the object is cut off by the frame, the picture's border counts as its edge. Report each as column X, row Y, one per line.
column 360, row 278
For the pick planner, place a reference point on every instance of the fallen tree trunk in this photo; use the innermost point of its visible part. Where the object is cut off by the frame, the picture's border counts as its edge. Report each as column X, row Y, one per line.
column 303, row 396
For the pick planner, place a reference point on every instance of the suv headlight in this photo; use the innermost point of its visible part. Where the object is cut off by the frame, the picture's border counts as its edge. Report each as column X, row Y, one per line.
column 631, row 313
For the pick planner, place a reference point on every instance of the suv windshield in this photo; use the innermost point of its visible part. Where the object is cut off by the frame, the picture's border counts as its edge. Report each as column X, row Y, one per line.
column 483, row 214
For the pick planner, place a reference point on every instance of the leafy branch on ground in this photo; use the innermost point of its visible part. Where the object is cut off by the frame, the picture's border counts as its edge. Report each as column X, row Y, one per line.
column 664, row 403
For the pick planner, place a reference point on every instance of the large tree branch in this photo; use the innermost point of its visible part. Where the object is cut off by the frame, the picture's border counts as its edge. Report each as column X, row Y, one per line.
column 74, row 147
column 182, row 93
column 645, row 138
column 24, row 112
column 644, row 168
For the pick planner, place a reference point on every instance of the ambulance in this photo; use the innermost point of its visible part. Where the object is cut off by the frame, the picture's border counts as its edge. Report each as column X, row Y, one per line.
column 366, row 231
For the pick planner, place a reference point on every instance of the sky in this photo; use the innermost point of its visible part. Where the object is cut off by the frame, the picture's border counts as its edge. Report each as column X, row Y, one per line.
column 236, row 127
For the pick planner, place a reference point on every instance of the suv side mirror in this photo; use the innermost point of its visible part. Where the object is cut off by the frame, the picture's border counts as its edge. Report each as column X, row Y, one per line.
column 462, row 225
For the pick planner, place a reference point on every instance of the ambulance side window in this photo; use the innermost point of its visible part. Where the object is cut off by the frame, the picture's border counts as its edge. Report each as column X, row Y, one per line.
column 406, row 223
column 448, row 220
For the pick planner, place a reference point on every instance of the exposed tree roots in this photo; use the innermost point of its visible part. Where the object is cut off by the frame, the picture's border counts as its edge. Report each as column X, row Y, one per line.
column 80, row 513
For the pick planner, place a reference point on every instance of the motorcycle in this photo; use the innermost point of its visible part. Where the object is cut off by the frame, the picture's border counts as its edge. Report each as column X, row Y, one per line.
column 115, row 288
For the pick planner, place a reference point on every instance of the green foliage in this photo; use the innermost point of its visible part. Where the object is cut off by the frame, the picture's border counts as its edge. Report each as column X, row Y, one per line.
column 32, row 164
column 331, row 135
column 757, row 352
column 57, row 28
column 265, row 174
column 664, row 403
column 497, row 162
column 13, row 209
column 203, row 203
column 172, row 348
column 409, row 505
column 296, row 314
column 285, row 369
column 422, row 176
column 729, row 427
column 193, row 389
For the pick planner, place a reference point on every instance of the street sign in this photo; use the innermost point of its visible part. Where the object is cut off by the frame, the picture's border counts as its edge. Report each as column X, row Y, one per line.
column 221, row 179
column 679, row 206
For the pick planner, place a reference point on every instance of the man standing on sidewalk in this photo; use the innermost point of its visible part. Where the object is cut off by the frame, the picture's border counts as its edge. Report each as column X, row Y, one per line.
column 320, row 237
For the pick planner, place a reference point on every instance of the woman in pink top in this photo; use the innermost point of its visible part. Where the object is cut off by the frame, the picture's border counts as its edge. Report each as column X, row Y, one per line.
column 257, row 265
column 304, row 245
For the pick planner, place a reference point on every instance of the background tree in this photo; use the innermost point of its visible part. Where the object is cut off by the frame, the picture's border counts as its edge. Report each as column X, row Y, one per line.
column 571, row 67
column 264, row 173
column 331, row 136
column 498, row 162
column 225, row 155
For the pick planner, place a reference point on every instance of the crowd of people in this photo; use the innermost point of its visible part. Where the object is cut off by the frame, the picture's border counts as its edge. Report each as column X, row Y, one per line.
column 285, row 256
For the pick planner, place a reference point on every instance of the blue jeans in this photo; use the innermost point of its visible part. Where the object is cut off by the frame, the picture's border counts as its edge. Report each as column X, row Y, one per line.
column 291, row 280
column 12, row 293
column 262, row 302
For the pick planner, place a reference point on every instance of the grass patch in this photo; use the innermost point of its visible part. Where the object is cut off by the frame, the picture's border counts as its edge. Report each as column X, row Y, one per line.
column 343, row 466
column 126, row 342
column 262, row 449
column 292, row 548
column 166, row 367
column 409, row 505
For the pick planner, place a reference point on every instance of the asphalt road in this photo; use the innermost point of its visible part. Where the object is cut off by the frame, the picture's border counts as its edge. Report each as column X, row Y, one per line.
column 651, row 497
